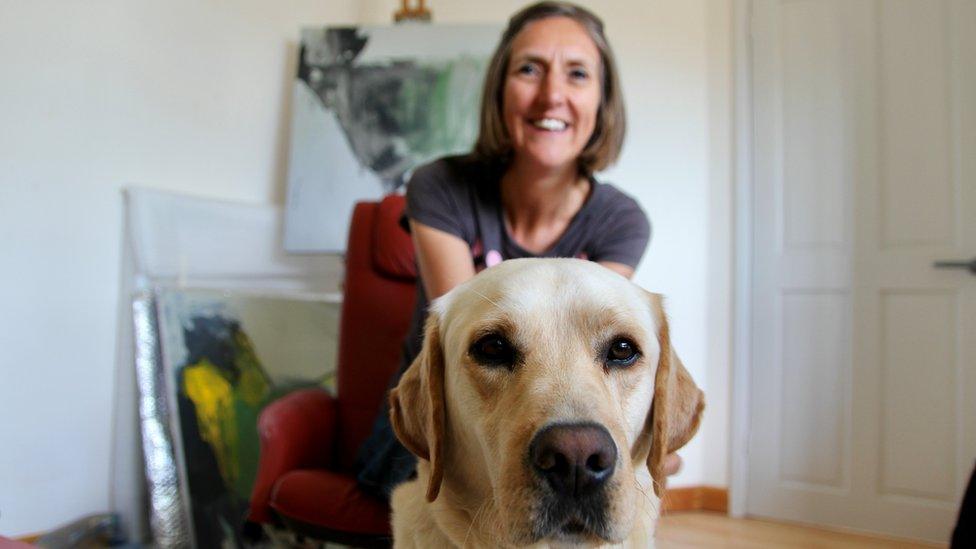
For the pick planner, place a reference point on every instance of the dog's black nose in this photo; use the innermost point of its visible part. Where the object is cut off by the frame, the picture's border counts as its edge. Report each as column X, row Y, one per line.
column 575, row 459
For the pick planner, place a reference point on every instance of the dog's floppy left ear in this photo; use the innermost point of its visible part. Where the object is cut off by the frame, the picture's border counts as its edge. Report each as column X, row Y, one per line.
column 677, row 406
column 417, row 406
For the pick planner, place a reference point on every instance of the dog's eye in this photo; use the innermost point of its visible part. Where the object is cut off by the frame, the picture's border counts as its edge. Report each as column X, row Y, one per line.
column 622, row 352
column 493, row 350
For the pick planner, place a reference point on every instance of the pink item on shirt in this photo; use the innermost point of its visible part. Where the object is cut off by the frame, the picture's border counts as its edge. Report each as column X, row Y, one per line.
column 492, row 258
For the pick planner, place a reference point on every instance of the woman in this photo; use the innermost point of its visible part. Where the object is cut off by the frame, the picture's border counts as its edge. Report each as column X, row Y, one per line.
column 552, row 114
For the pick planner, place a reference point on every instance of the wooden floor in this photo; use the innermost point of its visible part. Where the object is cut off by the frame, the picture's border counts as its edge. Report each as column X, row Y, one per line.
column 706, row 530
column 702, row 529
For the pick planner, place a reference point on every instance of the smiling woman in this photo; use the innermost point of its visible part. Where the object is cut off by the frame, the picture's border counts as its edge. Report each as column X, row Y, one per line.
column 551, row 94
column 542, row 24
column 552, row 115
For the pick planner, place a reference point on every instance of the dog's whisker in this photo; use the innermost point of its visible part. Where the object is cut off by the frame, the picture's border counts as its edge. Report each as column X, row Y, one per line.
column 486, row 525
column 474, row 520
column 661, row 500
column 486, row 298
column 651, row 503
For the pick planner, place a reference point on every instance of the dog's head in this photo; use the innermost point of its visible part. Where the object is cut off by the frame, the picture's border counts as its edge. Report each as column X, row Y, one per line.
column 543, row 388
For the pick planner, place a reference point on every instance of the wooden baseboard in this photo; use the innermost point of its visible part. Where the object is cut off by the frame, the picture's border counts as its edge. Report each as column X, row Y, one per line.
column 696, row 498
column 19, row 541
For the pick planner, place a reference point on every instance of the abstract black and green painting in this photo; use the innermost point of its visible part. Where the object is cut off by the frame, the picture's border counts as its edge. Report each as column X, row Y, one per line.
column 369, row 105
column 226, row 356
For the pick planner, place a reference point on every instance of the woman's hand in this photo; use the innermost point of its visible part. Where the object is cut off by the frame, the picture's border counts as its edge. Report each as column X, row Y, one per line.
column 672, row 464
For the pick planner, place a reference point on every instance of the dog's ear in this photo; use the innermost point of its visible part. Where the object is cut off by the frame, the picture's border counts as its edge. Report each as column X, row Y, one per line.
column 417, row 406
column 678, row 403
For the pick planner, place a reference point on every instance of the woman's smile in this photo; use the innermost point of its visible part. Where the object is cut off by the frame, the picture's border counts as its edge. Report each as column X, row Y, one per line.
column 550, row 124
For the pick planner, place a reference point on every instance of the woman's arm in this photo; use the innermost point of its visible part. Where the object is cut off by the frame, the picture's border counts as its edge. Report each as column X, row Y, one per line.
column 444, row 259
column 625, row 270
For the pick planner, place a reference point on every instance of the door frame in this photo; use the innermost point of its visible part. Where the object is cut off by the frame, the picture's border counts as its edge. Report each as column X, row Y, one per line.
column 743, row 186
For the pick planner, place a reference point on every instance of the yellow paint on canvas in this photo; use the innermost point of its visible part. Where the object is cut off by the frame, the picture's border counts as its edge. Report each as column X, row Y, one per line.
column 213, row 398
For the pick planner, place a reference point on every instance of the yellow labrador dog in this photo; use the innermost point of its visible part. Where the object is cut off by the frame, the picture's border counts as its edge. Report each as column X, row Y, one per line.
column 542, row 406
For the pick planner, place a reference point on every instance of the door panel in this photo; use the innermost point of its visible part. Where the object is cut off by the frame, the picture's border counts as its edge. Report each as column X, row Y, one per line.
column 814, row 432
column 916, row 184
column 918, row 402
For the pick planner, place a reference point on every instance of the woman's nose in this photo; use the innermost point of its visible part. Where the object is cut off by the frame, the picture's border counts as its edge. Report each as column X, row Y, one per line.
column 553, row 90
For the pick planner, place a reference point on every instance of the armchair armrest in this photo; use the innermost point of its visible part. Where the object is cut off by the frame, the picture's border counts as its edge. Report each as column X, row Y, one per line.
column 297, row 431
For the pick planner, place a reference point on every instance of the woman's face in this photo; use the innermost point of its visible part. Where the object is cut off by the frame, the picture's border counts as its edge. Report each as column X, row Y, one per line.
column 552, row 92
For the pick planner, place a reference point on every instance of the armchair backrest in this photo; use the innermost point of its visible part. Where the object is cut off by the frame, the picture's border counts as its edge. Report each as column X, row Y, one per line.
column 378, row 300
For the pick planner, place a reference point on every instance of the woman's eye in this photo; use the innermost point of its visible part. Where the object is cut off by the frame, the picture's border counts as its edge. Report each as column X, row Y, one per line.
column 579, row 74
column 528, row 69
column 622, row 352
column 493, row 350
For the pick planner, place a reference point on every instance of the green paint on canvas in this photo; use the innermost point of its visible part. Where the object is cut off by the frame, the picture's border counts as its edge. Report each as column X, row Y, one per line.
column 227, row 410
column 439, row 115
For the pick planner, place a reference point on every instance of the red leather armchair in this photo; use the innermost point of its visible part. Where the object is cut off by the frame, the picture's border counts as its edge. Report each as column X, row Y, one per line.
column 309, row 438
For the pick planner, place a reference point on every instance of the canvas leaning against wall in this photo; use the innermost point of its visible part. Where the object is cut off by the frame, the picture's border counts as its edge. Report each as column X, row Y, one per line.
column 223, row 357
column 369, row 105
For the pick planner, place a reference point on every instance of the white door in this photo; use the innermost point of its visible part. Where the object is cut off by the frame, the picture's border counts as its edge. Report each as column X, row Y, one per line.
column 863, row 387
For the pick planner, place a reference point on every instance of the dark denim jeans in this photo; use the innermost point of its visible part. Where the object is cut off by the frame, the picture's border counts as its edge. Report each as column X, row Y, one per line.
column 382, row 462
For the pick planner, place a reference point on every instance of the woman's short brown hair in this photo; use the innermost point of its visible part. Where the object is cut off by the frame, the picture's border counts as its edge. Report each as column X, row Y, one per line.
column 604, row 146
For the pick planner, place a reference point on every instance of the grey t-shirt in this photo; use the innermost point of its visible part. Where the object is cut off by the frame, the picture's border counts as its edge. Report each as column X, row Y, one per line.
column 461, row 196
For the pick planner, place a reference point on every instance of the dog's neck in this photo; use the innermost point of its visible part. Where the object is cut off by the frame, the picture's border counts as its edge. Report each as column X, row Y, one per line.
column 464, row 513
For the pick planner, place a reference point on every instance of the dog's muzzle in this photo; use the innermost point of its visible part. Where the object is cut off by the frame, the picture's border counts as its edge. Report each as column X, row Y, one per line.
column 575, row 461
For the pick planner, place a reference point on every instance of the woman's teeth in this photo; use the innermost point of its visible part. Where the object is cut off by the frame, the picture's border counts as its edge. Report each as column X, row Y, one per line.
column 550, row 124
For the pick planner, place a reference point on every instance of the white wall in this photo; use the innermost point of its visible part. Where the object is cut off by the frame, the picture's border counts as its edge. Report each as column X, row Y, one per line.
column 721, row 234
column 192, row 96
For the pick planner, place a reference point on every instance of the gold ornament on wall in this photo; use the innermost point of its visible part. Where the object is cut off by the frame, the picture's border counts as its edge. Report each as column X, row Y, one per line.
column 408, row 13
